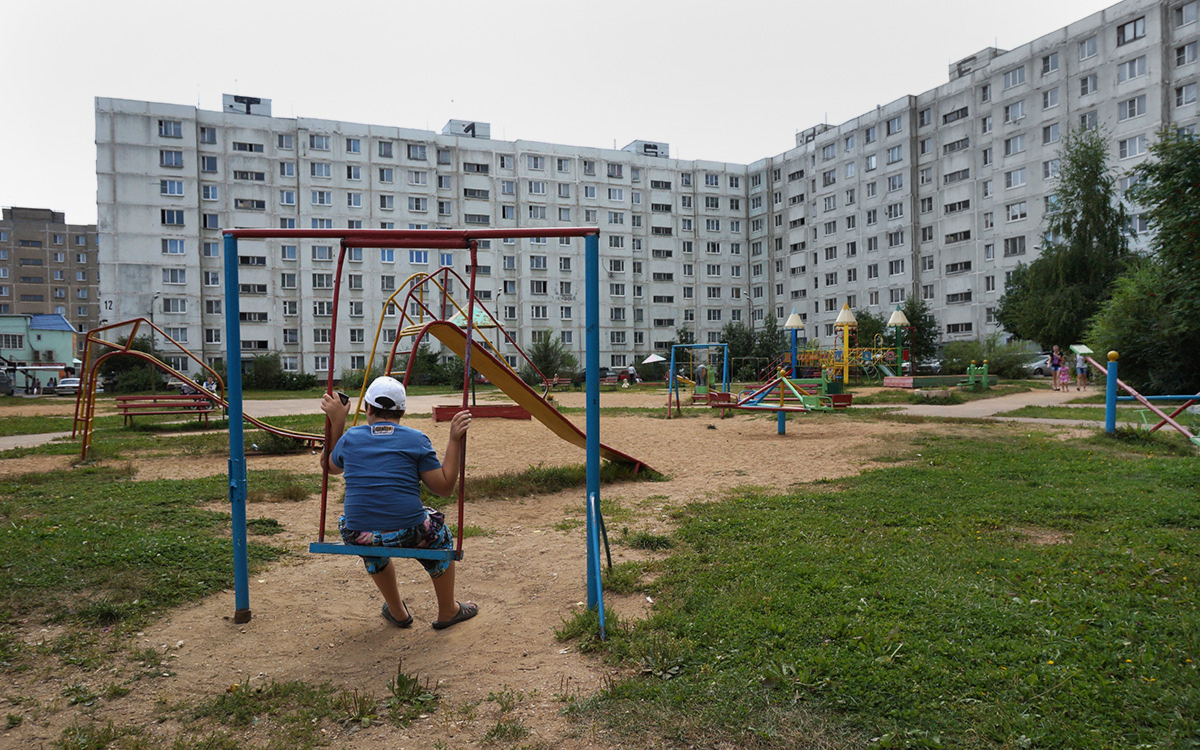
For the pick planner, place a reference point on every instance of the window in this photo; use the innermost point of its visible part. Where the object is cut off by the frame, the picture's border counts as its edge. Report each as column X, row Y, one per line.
column 286, row 169
column 315, row 142
column 895, row 125
column 869, row 135
column 1015, row 178
column 319, row 169
column 1016, row 211
column 1087, row 48
column 322, row 252
column 1014, row 111
column 172, row 217
column 1131, row 69
column 174, row 275
column 896, row 238
column 1050, row 63
column 416, row 151
column 1185, row 94
column 1088, row 120
column 895, row 182
column 1128, row 32
column 174, row 305
column 1087, row 85
column 1135, row 107
column 1186, row 54
column 285, row 141
column 1014, row 246
column 1186, row 14
column 1014, row 77
column 1050, row 168
column 895, row 154
column 1014, row 145
column 871, row 163
column 1130, row 147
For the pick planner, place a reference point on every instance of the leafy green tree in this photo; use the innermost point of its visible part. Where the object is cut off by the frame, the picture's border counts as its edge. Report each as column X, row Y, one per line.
column 1086, row 248
column 1153, row 316
column 871, row 325
column 768, row 340
column 740, row 339
column 551, row 357
column 124, row 373
column 923, row 337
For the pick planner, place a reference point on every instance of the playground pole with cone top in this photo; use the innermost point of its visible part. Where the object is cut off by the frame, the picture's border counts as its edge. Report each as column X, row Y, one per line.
column 846, row 320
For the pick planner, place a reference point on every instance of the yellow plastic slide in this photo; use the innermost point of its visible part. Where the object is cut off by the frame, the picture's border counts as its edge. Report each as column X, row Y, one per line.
column 519, row 391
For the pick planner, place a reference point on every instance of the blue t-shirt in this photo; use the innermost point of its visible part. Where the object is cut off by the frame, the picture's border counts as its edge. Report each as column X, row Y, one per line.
column 383, row 463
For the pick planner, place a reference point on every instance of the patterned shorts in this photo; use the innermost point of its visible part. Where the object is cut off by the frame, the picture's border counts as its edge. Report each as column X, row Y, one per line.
column 431, row 534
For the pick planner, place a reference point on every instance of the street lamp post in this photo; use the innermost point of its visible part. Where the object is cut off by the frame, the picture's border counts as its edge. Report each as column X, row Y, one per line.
column 898, row 321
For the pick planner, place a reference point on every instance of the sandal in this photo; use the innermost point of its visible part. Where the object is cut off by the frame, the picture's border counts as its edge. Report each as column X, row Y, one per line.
column 387, row 615
column 465, row 612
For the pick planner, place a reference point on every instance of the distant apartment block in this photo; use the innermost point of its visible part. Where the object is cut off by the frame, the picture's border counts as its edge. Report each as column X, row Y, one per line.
column 939, row 194
column 48, row 267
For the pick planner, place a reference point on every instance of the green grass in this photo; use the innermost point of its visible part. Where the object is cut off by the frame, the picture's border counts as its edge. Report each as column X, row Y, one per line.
column 88, row 546
column 1068, row 412
column 1006, row 591
column 906, row 396
column 540, row 480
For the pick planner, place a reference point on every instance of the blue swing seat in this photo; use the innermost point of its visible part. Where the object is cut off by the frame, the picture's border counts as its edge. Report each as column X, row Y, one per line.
column 367, row 550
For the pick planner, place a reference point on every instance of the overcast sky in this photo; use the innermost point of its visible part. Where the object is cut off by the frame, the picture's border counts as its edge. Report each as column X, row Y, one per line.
column 725, row 81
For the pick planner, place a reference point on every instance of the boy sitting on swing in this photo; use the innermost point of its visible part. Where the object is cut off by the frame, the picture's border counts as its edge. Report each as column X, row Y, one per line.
column 384, row 465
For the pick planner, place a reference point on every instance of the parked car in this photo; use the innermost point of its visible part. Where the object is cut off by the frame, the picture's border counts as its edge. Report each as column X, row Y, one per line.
column 1039, row 365
column 67, row 387
column 581, row 376
column 929, row 366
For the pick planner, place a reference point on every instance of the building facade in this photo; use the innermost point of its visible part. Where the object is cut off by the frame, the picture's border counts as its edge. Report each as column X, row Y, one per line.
column 939, row 194
column 48, row 266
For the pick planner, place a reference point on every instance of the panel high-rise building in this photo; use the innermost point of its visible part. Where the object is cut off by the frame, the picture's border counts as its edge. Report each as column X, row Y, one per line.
column 939, row 194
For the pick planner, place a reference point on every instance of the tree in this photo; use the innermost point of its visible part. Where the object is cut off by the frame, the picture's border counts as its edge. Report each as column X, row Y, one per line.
column 1153, row 316
column 1086, row 247
column 870, row 325
column 551, row 357
column 924, row 335
column 123, row 373
column 768, row 340
column 740, row 339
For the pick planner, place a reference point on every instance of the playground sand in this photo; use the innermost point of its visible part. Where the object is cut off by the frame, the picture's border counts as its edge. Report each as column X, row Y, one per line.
column 316, row 618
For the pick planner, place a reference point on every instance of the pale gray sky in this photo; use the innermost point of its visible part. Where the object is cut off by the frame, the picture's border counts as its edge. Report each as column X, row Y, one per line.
column 717, row 80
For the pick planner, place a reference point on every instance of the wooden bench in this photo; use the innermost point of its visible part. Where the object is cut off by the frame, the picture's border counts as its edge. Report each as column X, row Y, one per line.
column 197, row 405
column 558, row 382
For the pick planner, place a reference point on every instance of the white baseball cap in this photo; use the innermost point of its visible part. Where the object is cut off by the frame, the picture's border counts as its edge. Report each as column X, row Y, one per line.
column 386, row 392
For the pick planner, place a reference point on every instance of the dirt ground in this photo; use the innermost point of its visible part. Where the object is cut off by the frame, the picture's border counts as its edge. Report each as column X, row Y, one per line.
column 316, row 618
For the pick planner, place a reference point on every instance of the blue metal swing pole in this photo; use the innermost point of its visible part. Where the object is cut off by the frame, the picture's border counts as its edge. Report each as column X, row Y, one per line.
column 591, row 245
column 237, row 445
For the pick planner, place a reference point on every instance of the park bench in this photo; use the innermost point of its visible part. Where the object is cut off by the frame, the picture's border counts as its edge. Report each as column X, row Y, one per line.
column 197, row 405
column 558, row 382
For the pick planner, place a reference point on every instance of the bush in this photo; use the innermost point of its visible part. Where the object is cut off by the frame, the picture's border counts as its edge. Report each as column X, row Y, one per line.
column 353, row 379
column 1004, row 360
column 144, row 378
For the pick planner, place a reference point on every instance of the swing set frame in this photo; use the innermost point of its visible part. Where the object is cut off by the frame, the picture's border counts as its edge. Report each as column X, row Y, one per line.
column 425, row 239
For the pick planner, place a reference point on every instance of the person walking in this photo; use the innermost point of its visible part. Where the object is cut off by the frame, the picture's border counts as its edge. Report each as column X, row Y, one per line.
column 1056, row 363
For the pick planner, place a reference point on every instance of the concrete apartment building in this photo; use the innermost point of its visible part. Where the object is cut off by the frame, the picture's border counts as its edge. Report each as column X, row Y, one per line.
column 939, row 194
column 48, row 267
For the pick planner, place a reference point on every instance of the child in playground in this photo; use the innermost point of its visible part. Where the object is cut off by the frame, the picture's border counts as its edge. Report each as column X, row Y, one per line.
column 1056, row 363
column 384, row 464
column 1064, row 377
column 1081, row 373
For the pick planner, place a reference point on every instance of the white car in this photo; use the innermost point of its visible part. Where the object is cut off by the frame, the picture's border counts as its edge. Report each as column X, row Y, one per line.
column 1039, row 365
column 67, row 387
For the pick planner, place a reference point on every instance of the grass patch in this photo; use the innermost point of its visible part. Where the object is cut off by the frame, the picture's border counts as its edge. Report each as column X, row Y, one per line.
column 264, row 526
column 543, row 480
column 1069, row 412
column 647, row 541
column 88, row 546
column 623, row 578
column 958, row 395
column 1009, row 591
